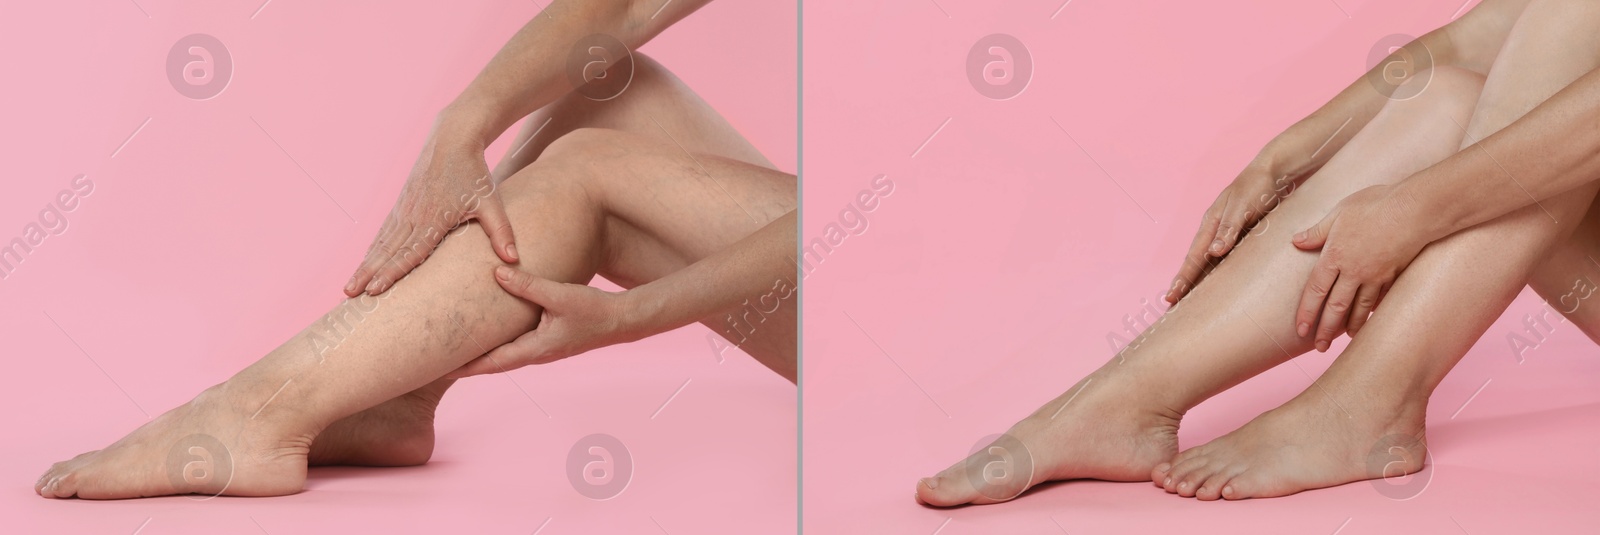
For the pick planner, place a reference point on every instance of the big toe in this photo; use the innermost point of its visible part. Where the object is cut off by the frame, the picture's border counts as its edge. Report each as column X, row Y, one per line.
column 61, row 483
column 959, row 486
column 1160, row 473
column 941, row 491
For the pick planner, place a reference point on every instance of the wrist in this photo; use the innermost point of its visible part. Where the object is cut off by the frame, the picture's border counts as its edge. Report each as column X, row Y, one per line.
column 465, row 119
column 1411, row 210
column 1283, row 156
column 641, row 310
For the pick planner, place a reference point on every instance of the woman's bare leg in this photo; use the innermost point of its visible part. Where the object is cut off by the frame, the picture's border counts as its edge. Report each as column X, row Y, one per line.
column 254, row 432
column 1122, row 420
column 656, row 104
column 1363, row 418
column 1569, row 280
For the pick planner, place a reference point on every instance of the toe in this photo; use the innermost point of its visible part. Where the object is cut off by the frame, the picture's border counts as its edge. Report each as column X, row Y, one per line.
column 1179, row 471
column 1211, row 489
column 1230, row 492
column 1159, row 473
column 944, row 491
column 44, row 479
column 1194, row 479
column 50, row 487
column 1250, row 484
column 65, row 485
column 1259, row 484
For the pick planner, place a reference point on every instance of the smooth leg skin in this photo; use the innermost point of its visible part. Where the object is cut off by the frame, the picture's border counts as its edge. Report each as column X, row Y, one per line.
column 567, row 208
column 1121, row 421
column 1363, row 418
column 656, row 104
column 1569, row 279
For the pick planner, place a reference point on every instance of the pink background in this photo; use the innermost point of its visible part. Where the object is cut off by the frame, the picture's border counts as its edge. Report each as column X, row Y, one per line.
column 987, row 282
column 203, row 245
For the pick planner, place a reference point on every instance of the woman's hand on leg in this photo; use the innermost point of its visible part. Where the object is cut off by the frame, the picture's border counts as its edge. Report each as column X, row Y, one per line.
column 1237, row 209
column 1366, row 241
column 449, row 185
column 577, row 318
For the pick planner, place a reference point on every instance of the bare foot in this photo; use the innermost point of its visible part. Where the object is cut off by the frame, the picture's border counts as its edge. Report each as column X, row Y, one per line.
column 1310, row 442
column 398, row 432
column 1097, row 430
column 209, row 445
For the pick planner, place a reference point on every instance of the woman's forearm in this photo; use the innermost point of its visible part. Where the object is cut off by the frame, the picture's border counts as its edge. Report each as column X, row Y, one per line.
column 759, row 269
column 530, row 70
column 1470, row 42
column 1552, row 149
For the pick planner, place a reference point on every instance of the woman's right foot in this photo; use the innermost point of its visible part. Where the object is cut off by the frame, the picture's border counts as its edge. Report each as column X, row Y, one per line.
column 1103, row 428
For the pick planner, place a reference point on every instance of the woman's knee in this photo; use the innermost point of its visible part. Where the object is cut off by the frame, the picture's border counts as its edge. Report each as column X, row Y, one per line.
column 1439, row 89
column 573, row 164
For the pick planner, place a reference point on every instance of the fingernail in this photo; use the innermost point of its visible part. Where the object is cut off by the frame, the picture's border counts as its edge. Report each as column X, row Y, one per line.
column 1322, row 345
column 504, row 273
column 511, row 249
column 371, row 286
column 350, row 286
column 1300, row 236
column 930, row 482
column 1216, row 246
column 1303, row 329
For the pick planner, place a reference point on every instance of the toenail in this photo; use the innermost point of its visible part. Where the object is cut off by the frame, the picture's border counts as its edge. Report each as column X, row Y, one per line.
column 1166, row 482
column 1228, row 490
column 930, row 482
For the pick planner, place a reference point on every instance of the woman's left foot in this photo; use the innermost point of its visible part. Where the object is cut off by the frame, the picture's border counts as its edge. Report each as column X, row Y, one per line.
column 1310, row 442
column 210, row 446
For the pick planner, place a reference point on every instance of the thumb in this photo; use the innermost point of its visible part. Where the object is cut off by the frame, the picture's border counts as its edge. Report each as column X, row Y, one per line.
column 1313, row 238
column 541, row 291
column 492, row 216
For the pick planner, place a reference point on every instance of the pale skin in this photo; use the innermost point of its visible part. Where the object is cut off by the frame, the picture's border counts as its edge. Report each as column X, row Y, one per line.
column 652, row 190
column 1364, row 417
